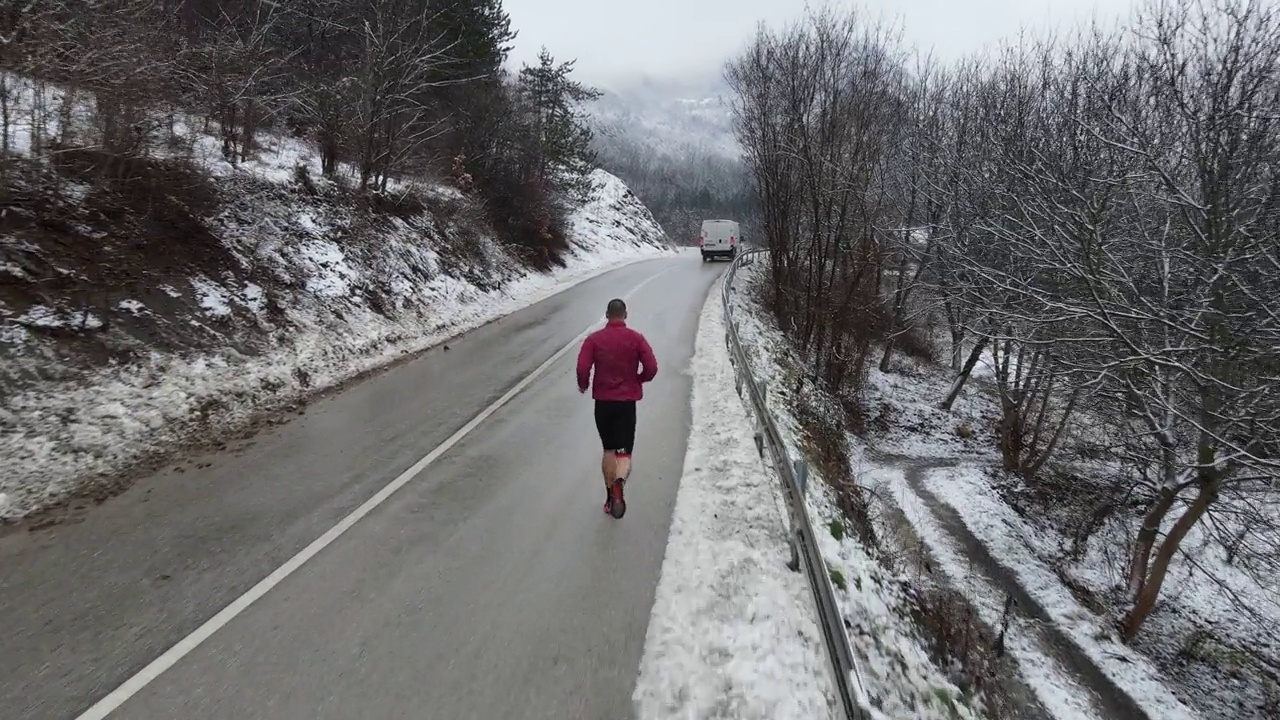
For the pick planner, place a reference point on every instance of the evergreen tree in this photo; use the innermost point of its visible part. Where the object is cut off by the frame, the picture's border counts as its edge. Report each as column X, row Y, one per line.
column 479, row 35
column 558, row 148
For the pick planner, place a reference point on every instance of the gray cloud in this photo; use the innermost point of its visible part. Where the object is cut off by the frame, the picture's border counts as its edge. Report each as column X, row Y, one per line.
column 690, row 39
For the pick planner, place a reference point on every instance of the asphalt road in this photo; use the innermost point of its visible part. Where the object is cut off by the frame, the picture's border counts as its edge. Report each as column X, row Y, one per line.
column 489, row 586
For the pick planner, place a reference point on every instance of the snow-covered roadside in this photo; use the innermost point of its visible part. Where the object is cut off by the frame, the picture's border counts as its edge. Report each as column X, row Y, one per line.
column 58, row 433
column 732, row 634
column 1060, row 695
column 999, row 528
column 901, row 679
column 907, row 427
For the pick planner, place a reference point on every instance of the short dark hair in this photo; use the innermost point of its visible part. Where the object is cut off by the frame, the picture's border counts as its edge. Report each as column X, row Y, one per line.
column 616, row 309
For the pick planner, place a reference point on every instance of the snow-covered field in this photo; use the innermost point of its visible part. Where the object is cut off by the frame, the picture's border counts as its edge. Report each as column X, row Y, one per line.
column 306, row 290
column 733, row 633
column 938, row 472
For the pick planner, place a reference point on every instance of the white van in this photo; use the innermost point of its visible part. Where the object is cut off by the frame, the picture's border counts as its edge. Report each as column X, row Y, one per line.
column 719, row 238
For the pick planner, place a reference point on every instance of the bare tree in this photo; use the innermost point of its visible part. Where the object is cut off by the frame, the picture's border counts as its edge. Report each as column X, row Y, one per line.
column 1202, row 379
column 401, row 57
column 236, row 74
column 816, row 111
column 1140, row 188
column 912, row 247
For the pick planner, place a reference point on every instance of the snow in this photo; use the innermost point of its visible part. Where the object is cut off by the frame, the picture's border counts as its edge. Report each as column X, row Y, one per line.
column 1061, row 696
column 899, row 676
column 104, row 421
column 13, row 334
column 11, row 269
column 309, row 223
column 733, row 633
column 214, row 300
column 332, row 275
column 40, row 316
column 997, row 526
column 902, row 679
column 254, row 298
column 131, row 306
column 906, row 429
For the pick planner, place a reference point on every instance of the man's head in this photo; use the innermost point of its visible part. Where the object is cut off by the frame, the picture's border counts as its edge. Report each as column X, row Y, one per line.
column 617, row 310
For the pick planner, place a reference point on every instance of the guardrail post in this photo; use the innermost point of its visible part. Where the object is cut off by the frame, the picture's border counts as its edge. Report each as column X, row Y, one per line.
column 794, row 563
column 737, row 381
column 802, row 475
column 763, row 386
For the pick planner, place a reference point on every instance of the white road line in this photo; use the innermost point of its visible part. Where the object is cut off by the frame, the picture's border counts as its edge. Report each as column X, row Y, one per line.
column 157, row 667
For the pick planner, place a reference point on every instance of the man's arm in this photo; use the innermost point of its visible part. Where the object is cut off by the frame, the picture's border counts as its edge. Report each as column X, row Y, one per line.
column 648, row 363
column 585, row 357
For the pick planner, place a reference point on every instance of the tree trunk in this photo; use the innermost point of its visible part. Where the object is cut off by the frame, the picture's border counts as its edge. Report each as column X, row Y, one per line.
column 1052, row 446
column 1145, row 601
column 1147, row 535
column 957, row 338
column 963, row 376
column 887, row 355
column 5, row 120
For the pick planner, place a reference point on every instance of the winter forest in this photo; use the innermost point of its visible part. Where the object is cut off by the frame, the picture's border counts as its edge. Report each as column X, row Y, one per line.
column 1096, row 214
column 682, row 187
column 390, row 88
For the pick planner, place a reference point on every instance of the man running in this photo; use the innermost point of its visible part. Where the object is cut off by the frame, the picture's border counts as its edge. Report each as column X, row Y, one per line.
column 623, row 361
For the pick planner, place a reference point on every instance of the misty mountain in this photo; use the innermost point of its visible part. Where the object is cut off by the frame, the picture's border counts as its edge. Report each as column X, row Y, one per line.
column 671, row 117
column 673, row 144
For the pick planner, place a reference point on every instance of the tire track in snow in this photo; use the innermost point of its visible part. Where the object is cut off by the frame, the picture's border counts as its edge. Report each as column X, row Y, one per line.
column 1104, row 696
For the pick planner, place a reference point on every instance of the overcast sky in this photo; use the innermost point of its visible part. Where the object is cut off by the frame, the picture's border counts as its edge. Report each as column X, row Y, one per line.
column 619, row 39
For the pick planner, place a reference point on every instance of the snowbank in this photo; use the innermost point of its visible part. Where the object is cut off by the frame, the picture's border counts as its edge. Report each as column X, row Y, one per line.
column 733, row 632
column 309, row 298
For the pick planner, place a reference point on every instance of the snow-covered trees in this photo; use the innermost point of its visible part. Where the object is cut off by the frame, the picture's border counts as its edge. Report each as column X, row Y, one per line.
column 386, row 87
column 817, row 113
column 672, row 144
column 1141, row 192
column 1099, row 213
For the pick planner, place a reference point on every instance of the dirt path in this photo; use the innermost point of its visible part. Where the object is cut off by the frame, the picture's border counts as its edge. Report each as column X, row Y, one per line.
column 1107, row 698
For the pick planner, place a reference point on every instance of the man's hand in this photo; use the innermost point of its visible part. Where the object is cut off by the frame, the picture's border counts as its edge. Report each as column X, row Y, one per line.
column 582, row 391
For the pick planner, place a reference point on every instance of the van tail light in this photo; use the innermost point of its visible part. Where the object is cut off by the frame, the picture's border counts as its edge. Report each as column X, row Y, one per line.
column 732, row 240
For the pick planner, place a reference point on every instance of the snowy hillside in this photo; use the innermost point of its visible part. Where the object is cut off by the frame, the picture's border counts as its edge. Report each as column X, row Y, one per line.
column 670, row 118
column 125, row 335
column 673, row 143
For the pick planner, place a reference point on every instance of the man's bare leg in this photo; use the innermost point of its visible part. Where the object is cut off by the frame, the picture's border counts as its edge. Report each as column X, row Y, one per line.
column 609, row 467
column 623, row 468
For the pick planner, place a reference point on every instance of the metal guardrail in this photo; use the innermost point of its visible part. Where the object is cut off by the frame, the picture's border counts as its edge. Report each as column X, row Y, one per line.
column 794, row 474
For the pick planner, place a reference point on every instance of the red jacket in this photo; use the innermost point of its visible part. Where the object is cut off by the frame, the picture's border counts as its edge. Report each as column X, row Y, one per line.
column 622, row 359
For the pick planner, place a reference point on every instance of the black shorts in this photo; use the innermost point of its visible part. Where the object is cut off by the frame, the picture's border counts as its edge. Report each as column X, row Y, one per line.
column 616, row 423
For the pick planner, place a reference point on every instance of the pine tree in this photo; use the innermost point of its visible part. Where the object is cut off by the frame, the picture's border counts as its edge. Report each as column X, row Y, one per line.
column 480, row 35
column 558, row 148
